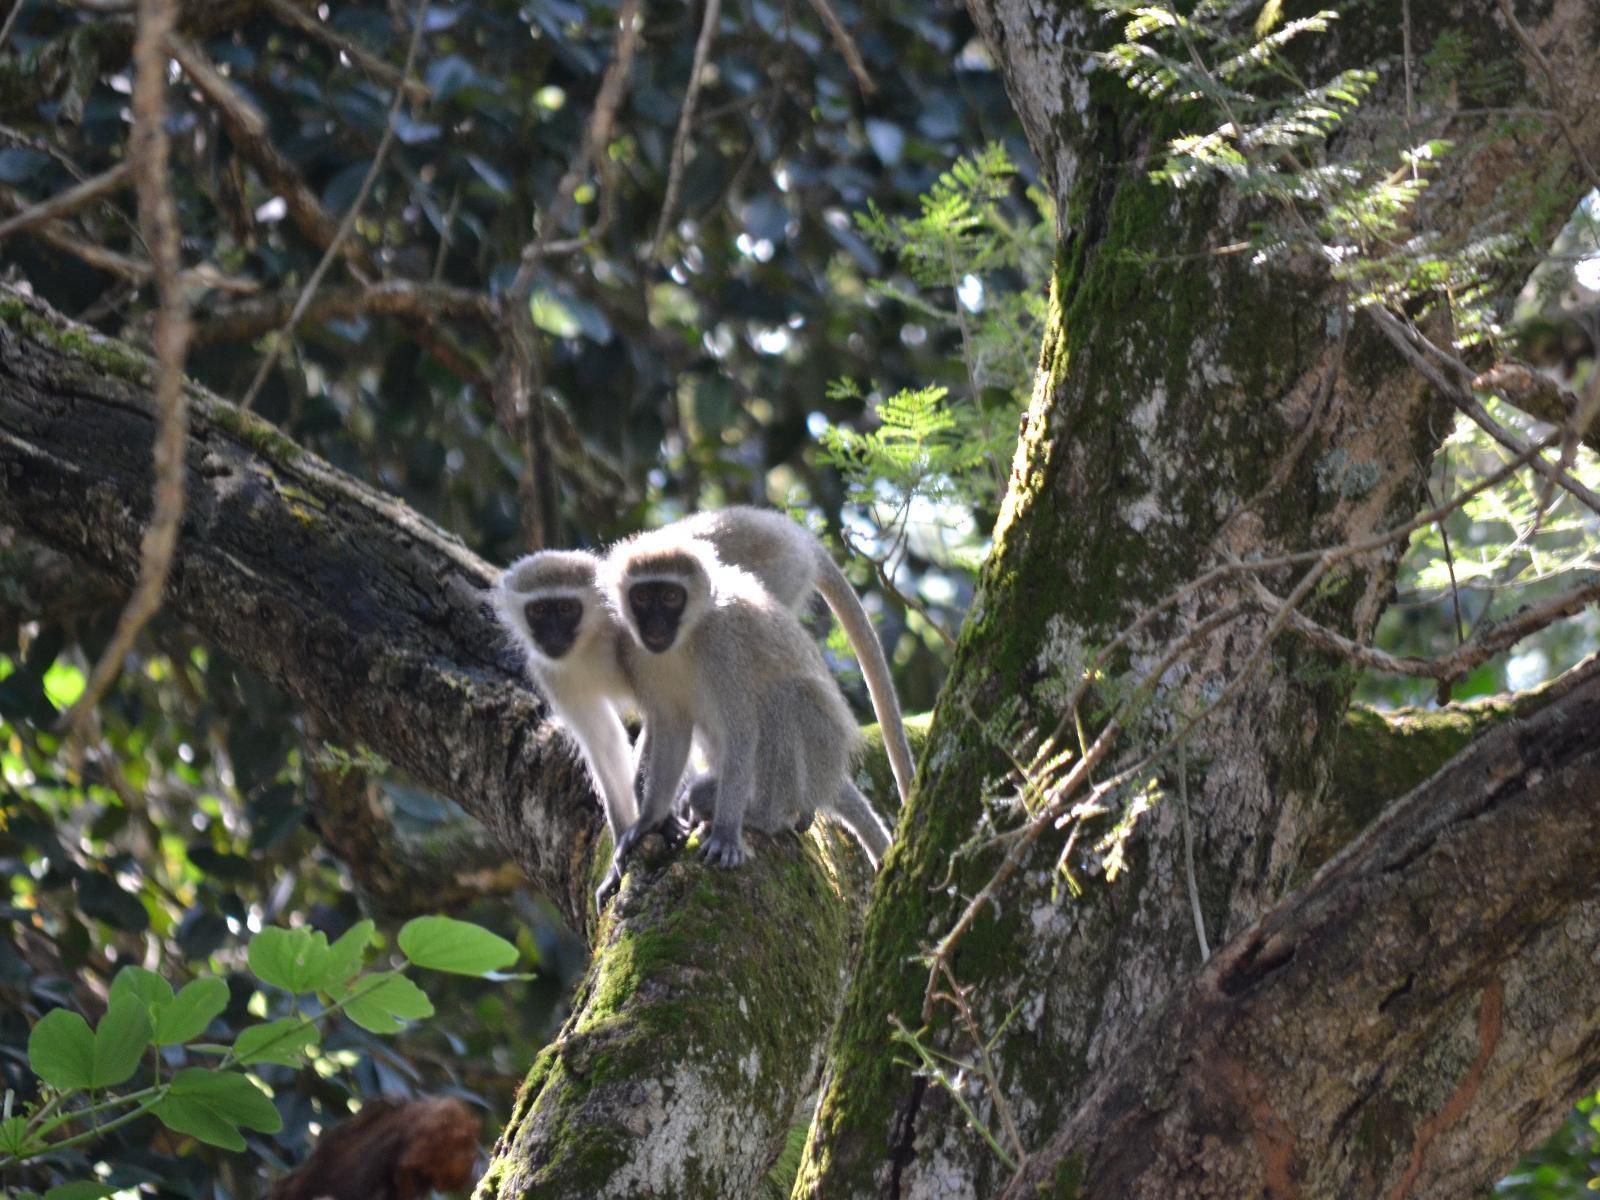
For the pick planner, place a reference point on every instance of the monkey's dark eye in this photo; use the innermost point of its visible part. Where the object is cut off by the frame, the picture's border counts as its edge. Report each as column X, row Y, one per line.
column 672, row 597
column 569, row 608
column 537, row 610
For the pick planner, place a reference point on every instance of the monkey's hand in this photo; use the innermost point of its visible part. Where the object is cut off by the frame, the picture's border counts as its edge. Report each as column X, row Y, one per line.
column 721, row 850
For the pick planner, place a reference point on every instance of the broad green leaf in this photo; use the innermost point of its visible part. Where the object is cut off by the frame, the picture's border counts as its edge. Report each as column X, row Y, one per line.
column 344, row 956
column 297, row 960
column 283, row 1041
column 82, row 1190
column 190, row 1011
column 445, row 944
column 119, row 1040
column 212, row 1105
column 383, row 1003
column 61, row 1050
column 146, row 986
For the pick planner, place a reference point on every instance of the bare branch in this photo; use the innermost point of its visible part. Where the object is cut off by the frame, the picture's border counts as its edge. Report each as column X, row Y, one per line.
column 1486, row 642
column 847, row 46
column 389, row 297
column 158, row 219
column 1416, row 348
column 64, row 204
column 11, row 20
column 292, row 14
column 248, row 131
column 66, row 239
column 680, row 139
column 595, row 140
column 349, row 222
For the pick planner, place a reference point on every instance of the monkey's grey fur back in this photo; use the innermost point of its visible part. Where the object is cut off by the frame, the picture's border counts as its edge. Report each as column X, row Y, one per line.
column 790, row 561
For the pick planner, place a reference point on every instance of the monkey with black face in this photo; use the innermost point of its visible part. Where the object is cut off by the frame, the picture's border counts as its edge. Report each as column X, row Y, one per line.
column 714, row 654
column 571, row 643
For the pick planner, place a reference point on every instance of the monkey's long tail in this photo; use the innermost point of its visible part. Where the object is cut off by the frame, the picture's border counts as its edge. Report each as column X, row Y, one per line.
column 863, row 821
column 846, row 606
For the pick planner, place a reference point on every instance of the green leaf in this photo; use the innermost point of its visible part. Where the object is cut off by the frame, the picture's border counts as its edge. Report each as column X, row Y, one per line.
column 284, row 1041
column 344, row 956
column 145, row 986
column 212, row 1105
column 14, row 1139
column 174, row 1019
column 81, row 1190
column 445, row 944
column 383, row 1003
column 120, row 1040
column 187, row 1014
column 61, row 1050
column 297, row 960
column 552, row 314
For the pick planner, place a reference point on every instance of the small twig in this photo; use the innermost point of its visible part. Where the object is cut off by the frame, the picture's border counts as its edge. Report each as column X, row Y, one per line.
column 11, row 20
column 349, row 222
column 247, row 129
column 680, row 139
column 1455, row 586
column 847, row 45
column 957, row 997
column 444, row 234
column 62, row 236
column 1486, row 642
column 64, row 204
column 1416, row 348
column 1188, row 851
column 596, row 137
column 880, row 568
column 292, row 14
column 158, row 218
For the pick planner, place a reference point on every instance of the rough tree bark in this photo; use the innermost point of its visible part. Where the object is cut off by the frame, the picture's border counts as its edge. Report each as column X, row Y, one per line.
column 1190, row 405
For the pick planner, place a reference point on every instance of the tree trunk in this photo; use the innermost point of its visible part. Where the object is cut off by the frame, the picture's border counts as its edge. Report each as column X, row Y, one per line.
column 1189, row 406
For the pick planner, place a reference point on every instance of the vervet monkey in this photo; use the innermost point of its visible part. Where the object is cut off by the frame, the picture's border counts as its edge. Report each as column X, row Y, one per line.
column 715, row 654
column 571, row 642
column 790, row 561
column 573, row 646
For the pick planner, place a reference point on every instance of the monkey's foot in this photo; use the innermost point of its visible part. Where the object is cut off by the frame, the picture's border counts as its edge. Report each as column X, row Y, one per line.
column 720, row 850
column 608, row 886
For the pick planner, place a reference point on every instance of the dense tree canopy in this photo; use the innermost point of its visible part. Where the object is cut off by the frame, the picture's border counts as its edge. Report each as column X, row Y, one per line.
column 489, row 278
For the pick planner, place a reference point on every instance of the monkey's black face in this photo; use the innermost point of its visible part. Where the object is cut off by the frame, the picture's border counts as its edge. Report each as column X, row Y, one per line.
column 554, row 623
column 657, row 609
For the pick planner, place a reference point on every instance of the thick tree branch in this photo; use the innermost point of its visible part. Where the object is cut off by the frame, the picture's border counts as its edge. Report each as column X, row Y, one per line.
column 1430, row 933
column 364, row 612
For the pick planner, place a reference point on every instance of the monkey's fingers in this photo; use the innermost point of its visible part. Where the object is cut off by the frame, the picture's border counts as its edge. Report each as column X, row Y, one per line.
column 608, row 886
column 722, row 851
